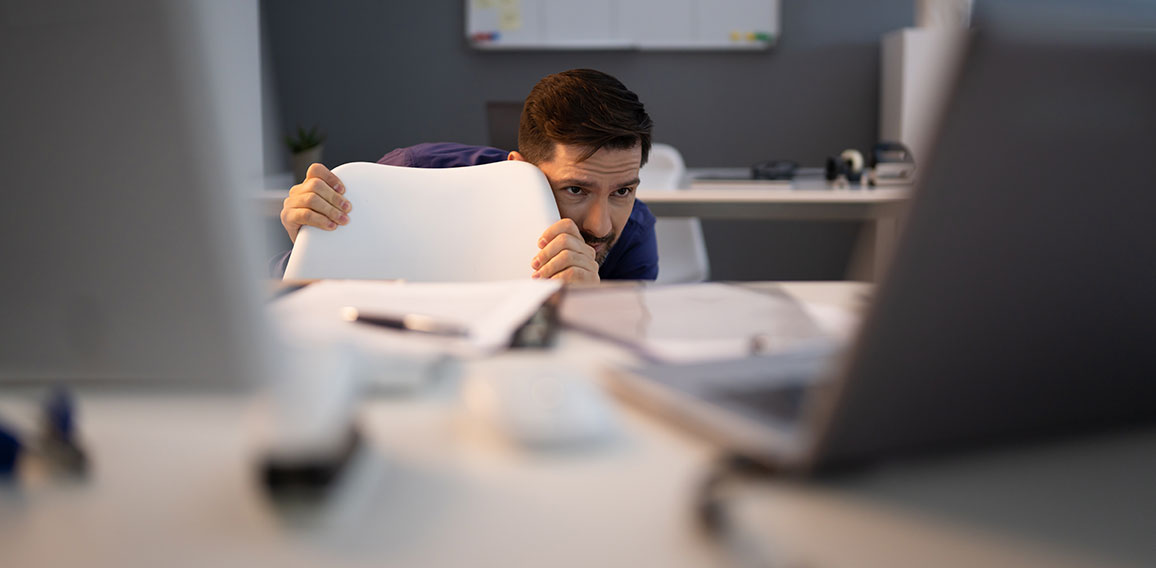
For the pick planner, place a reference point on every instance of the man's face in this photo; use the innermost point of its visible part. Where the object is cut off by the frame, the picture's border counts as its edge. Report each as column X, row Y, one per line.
column 596, row 193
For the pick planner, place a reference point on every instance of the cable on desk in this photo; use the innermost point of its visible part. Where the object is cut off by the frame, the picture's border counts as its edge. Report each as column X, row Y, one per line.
column 710, row 496
column 712, row 515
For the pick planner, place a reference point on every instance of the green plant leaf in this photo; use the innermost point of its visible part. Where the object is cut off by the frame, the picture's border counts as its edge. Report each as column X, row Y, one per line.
column 304, row 139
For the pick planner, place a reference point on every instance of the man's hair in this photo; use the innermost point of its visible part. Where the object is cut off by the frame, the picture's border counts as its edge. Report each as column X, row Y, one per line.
column 582, row 107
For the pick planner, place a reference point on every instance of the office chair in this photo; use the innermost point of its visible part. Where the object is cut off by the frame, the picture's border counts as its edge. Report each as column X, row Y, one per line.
column 431, row 225
column 681, row 247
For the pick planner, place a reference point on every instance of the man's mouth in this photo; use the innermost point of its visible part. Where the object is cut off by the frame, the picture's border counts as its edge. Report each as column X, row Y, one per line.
column 601, row 245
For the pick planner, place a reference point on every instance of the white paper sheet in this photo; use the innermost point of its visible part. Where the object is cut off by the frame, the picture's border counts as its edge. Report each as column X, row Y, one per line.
column 693, row 322
column 492, row 311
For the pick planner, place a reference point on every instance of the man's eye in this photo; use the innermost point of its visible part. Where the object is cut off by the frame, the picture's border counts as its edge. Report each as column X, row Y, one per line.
column 623, row 191
column 573, row 190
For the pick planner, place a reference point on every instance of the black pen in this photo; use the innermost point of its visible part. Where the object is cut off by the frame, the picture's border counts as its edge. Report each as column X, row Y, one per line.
column 406, row 322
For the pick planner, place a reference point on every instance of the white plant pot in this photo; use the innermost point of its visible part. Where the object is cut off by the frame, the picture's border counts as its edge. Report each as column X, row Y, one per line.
column 303, row 159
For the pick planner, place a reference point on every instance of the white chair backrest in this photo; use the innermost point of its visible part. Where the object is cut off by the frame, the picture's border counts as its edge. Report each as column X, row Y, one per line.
column 681, row 246
column 465, row 224
column 664, row 169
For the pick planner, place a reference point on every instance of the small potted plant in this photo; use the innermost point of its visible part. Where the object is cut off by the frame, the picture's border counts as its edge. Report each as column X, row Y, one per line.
column 305, row 145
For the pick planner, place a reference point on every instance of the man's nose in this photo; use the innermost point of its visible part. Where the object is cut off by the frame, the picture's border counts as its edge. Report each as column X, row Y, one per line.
column 597, row 220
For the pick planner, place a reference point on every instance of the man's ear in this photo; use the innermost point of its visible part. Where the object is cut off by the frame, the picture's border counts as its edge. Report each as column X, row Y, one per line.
column 517, row 157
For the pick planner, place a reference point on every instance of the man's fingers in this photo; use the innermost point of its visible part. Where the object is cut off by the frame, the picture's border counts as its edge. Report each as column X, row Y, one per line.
column 567, row 259
column 302, row 216
column 316, row 203
column 562, row 227
column 576, row 274
column 319, row 187
column 566, row 250
column 561, row 242
column 321, row 172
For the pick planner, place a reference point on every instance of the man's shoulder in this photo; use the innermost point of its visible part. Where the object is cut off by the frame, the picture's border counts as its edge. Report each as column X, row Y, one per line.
column 641, row 215
column 635, row 257
column 443, row 155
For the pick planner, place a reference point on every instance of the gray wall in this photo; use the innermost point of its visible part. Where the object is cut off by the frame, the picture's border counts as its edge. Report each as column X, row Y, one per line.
column 379, row 74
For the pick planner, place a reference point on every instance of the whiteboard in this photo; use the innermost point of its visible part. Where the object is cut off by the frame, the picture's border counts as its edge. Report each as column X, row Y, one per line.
column 622, row 24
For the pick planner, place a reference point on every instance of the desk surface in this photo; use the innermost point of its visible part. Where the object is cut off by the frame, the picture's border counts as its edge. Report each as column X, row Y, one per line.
column 173, row 486
column 731, row 201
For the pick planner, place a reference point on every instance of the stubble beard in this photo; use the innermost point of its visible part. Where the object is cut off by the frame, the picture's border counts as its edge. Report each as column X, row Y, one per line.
column 609, row 240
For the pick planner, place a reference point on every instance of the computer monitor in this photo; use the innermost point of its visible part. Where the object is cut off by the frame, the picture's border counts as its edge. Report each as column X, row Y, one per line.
column 1019, row 303
column 125, row 250
column 502, row 119
column 1020, row 299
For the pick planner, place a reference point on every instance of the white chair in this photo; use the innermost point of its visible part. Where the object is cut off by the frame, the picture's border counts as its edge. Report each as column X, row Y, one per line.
column 681, row 248
column 431, row 225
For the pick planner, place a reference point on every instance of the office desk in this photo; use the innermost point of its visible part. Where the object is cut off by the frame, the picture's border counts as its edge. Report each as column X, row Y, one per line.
column 173, row 486
column 880, row 209
column 775, row 202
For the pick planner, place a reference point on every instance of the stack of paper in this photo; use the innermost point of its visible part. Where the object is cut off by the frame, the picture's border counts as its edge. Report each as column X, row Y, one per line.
column 490, row 311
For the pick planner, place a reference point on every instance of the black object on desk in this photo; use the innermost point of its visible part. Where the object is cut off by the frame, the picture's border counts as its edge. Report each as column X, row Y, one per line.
column 420, row 323
column 309, row 475
column 891, row 164
column 848, row 164
column 541, row 328
column 774, row 170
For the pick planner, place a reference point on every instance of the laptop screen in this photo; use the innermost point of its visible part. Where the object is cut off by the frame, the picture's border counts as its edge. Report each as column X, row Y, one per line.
column 1020, row 299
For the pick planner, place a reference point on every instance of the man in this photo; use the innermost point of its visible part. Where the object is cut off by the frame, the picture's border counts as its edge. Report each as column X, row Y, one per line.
column 588, row 134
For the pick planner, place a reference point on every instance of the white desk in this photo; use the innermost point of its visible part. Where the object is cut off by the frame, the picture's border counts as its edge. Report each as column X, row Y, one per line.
column 776, row 201
column 881, row 210
column 173, row 486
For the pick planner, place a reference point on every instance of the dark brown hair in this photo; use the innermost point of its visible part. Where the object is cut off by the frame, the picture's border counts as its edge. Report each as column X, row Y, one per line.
column 581, row 107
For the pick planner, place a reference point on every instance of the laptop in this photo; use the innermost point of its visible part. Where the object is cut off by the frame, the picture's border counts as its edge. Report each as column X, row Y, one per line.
column 125, row 252
column 1020, row 301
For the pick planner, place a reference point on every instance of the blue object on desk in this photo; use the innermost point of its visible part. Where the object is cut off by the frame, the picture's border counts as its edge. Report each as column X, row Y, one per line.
column 58, row 416
column 10, row 449
column 59, row 441
column 56, row 443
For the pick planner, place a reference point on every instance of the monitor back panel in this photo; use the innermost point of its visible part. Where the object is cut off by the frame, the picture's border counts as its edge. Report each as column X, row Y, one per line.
column 1022, row 296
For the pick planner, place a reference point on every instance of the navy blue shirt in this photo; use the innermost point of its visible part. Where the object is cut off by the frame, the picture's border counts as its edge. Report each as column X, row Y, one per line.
column 633, row 257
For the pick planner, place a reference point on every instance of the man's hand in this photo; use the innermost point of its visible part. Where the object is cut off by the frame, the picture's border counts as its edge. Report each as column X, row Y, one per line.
column 565, row 255
column 316, row 202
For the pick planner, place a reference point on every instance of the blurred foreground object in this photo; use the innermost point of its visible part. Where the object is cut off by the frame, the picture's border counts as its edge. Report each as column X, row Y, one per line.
column 125, row 243
column 1019, row 301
